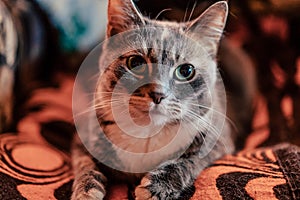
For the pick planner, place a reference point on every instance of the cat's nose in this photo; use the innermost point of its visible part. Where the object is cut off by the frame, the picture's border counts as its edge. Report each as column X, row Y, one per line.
column 157, row 97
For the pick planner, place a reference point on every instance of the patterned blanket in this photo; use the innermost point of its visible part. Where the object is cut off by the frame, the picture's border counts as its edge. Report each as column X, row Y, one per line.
column 35, row 162
column 40, row 171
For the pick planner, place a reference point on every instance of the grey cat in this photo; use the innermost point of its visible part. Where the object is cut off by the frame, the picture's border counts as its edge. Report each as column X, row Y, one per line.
column 157, row 105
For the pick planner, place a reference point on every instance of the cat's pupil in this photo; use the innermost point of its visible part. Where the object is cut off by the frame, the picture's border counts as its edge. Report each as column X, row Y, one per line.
column 136, row 64
column 184, row 72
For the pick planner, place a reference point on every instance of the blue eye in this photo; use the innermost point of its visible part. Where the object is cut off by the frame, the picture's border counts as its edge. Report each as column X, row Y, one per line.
column 136, row 64
column 184, row 72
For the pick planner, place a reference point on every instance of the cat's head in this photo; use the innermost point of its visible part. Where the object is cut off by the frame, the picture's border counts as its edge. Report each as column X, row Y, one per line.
column 165, row 69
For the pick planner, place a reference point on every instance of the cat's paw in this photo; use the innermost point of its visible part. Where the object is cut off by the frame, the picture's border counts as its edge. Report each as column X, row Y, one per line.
column 92, row 194
column 141, row 191
column 89, row 186
column 162, row 187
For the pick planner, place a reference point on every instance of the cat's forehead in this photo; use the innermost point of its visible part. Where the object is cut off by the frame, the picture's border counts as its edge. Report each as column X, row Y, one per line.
column 168, row 39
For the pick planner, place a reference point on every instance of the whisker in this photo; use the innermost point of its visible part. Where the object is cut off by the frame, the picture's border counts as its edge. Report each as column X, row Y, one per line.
column 204, row 138
column 213, row 130
column 100, row 94
column 192, row 11
column 103, row 114
column 164, row 10
column 204, row 122
column 217, row 112
column 103, row 104
column 186, row 10
column 196, row 127
column 90, row 109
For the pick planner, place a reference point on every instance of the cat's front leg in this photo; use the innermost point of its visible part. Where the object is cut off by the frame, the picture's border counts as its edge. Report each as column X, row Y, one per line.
column 89, row 186
column 89, row 182
column 172, row 181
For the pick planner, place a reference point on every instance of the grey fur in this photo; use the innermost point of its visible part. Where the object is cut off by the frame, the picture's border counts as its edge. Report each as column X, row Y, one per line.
column 174, row 173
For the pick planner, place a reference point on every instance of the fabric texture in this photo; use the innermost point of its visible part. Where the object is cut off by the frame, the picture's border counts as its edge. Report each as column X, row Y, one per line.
column 32, row 170
column 264, row 173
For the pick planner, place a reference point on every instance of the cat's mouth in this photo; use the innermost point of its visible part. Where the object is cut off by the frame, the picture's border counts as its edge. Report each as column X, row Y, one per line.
column 148, row 116
column 155, row 111
column 158, row 116
column 143, row 112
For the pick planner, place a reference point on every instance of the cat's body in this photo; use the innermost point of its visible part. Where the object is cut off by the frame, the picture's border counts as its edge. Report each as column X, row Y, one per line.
column 159, row 105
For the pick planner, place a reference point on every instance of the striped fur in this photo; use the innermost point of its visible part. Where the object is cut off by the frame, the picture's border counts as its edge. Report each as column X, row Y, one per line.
column 188, row 104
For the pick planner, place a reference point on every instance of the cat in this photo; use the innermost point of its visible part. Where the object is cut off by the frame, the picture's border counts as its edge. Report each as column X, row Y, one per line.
column 157, row 121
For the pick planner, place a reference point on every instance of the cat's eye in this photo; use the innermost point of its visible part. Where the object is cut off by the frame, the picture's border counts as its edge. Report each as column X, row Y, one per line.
column 136, row 64
column 184, row 72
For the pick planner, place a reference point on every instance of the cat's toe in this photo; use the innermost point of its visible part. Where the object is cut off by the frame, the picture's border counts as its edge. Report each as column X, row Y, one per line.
column 141, row 191
column 162, row 187
column 89, row 186
column 92, row 194
column 143, row 194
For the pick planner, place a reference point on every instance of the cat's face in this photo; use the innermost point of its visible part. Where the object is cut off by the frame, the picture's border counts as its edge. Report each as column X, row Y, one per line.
column 165, row 71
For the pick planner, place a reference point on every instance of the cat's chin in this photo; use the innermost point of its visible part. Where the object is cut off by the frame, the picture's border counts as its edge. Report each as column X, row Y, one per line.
column 158, row 119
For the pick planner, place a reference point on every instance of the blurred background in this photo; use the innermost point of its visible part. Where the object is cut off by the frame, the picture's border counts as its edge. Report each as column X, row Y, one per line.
column 43, row 43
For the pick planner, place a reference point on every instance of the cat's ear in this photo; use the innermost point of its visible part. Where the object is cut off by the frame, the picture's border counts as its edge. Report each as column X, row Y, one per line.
column 208, row 27
column 123, row 15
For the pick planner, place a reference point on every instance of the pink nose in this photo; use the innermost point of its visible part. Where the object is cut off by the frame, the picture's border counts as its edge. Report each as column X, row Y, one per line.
column 157, row 97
